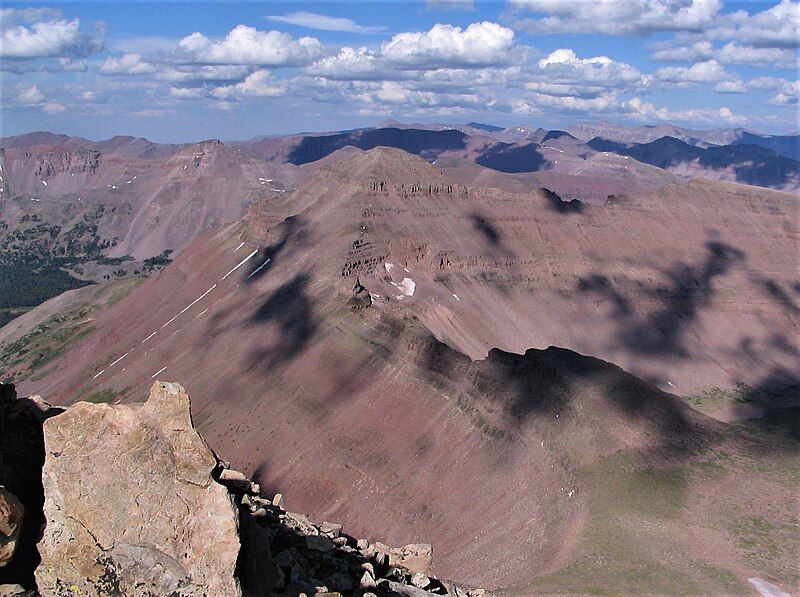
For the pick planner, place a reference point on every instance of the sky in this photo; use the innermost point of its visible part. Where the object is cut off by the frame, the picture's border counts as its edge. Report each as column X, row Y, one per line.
column 185, row 71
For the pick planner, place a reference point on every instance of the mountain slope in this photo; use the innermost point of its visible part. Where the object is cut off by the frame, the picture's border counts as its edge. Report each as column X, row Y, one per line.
column 326, row 340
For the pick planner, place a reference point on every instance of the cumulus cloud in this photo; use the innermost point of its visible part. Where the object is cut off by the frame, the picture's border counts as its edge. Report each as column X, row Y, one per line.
column 615, row 17
column 480, row 44
column 30, row 95
column 564, row 66
column 350, row 64
column 734, row 86
column 730, row 53
column 312, row 20
column 186, row 93
column 187, row 73
column 128, row 64
column 775, row 27
column 710, row 71
column 261, row 83
column 53, row 108
column 533, row 104
column 40, row 33
column 644, row 111
column 248, row 45
column 787, row 91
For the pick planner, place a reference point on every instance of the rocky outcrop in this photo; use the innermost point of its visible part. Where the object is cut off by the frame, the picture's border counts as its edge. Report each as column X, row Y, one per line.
column 131, row 501
column 11, row 515
column 131, row 504
column 311, row 558
column 21, row 496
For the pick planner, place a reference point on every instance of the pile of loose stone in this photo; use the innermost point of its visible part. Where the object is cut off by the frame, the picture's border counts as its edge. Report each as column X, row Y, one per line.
column 321, row 560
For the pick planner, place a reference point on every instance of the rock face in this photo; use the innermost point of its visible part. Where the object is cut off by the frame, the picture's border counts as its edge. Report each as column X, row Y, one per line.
column 11, row 515
column 21, row 496
column 131, row 504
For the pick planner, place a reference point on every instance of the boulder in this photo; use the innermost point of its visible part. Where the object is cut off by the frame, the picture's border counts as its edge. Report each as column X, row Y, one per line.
column 416, row 557
column 131, row 505
column 11, row 516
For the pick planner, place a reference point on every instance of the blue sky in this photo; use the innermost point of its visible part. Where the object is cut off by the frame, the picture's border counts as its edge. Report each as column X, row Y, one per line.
column 174, row 71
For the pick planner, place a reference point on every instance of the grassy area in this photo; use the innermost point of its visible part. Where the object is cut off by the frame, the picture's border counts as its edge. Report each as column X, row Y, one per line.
column 29, row 355
column 632, row 540
column 48, row 341
column 101, row 396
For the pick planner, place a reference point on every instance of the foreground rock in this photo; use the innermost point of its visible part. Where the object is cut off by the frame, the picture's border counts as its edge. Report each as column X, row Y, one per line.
column 21, row 460
column 131, row 505
column 11, row 515
column 321, row 559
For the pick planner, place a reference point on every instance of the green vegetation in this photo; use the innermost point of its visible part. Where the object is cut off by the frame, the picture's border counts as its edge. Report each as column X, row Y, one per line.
column 765, row 542
column 46, row 342
column 158, row 262
column 101, row 396
column 633, row 523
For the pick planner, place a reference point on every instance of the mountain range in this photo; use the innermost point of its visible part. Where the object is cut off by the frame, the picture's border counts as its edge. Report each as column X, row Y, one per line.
column 540, row 357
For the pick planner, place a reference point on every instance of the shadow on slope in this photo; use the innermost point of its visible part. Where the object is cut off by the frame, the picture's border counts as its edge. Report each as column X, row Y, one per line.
column 505, row 157
column 689, row 288
column 427, row 144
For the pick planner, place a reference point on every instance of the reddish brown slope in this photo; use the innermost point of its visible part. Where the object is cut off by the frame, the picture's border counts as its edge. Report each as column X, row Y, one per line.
column 365, row 417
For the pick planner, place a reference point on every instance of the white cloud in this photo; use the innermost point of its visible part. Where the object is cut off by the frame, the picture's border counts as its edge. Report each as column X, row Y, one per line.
column 616, row 17
column 184, row 73
column 480, row 44
column 53, row 108
column 247, row 45
column 350, row 64
column 186, row 93
column 30, row 95
column 710, row 71
column 564, row 66
column 48, row 39
column 128, row 64
column 533, row 104
column 775, row 27
column 258, row 84
column 648, row 112
column 734, row 86
column 312, row 20
column 787, row 94
column 730, row 53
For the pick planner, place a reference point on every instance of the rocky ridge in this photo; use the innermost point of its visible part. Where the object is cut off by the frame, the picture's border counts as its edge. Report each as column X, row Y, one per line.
column 155, row 512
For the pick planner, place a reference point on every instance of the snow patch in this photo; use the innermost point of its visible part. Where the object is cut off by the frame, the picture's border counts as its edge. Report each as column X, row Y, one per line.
column 389, row 267
column 767, row 589
column 117, row 361
column 258, row 269
column 44, row 182
column 239, row 247
column 238, row 265
column 187, row 307
column 146, row 339
column 407, row 286
column 99, row 374
column 157, row 372
column 455, row 296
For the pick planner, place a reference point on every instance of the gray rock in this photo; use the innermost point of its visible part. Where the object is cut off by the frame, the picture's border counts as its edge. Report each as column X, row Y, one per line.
column 319, row 543
column 420, row 581
column 368, row 581
column 330, row 529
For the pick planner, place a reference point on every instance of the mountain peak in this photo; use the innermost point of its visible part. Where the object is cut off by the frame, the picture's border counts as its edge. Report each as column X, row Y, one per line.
column 389, row 165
